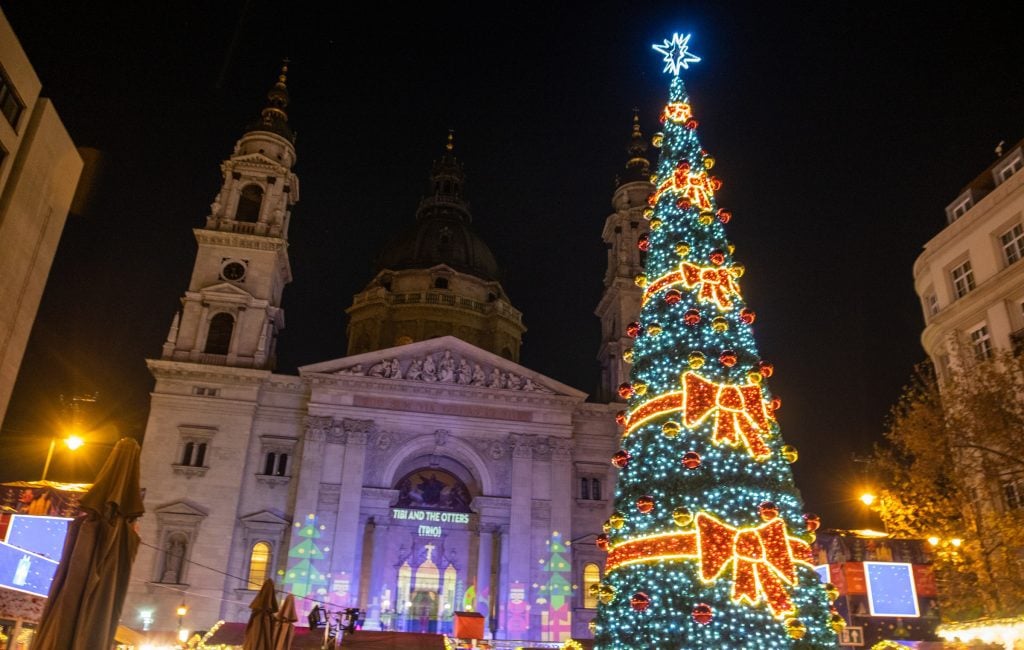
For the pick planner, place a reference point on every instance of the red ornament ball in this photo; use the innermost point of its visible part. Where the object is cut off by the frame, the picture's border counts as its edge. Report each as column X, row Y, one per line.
column 691, row 317
column 767, row 369
column 747, row 315
column 703, row 613
column 716, row 183
column 776, row 404
column 621, row 458
column 768, row 510
column 691, row 460
column 812, row 520
column 724, row 215
column 717, row 257
column 645, row 504
column 728, row 358
column 601, row 542
column 644, row 242
column 620, row 418
column 692, row 124
column 640, row 601
column 672, row 296
column 625, row 390
column 633, row 329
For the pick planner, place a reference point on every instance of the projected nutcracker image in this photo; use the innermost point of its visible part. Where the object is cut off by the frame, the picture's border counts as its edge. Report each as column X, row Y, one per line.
column 708, row 545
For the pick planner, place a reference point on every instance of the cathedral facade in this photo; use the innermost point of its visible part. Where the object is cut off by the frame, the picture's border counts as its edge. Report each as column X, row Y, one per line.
column 426, row 472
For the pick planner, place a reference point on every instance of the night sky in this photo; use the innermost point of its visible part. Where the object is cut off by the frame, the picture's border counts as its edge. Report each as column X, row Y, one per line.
column 841, row 132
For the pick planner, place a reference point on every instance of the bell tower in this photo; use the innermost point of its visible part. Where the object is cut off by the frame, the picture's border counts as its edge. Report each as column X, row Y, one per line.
column 231, row 313
column 620, row 302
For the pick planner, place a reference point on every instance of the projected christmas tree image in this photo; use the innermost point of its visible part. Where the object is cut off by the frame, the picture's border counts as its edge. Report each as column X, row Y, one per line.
column 708, row 546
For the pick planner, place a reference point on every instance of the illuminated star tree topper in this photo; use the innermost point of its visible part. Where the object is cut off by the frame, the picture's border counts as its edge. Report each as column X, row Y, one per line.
column 677, row 53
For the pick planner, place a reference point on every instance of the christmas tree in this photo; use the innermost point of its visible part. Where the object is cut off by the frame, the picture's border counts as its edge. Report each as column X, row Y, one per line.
column 708, row 546
column 302, row 578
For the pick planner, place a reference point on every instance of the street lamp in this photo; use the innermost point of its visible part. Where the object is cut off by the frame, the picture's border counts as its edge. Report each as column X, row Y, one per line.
column 182, row 632
column 72, row 443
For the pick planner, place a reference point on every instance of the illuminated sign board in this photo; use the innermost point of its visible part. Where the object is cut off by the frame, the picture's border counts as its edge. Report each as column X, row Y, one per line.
column 891, row 589
column 431, row 519
column 25, row 571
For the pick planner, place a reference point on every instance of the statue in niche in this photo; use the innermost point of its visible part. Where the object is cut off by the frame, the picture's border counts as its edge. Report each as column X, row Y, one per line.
column 415, row 370
column 446, row 369
column 429, row 368
column 174, row 556
column 479, row 379
column 463, row 374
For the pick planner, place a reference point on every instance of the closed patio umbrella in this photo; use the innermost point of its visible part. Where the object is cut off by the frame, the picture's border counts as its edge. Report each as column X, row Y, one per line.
column 284, row 624
column 259, row 633
column 89, row 588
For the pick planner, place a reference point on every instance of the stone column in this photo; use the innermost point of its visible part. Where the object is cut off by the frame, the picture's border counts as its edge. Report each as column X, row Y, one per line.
column 346, row 532
column 518, row 546
column 561, row 487
column 377, row 503
column 309, row 467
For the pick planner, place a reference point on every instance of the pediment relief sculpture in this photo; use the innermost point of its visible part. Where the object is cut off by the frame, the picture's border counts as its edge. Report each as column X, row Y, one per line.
column 445, row 368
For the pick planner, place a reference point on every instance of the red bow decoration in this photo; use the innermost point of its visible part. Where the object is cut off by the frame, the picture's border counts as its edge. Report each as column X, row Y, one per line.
column 698, row 188
column 715, row 284
column 762, row 564
column 741, row 412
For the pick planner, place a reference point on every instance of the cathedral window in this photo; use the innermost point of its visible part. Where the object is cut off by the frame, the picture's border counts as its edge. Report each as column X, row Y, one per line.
column 192, row 450
column 250, row 200
column 275, row 464
column 276, row 451
column 590, row 488
column 591, row 576
column 440, row 283
column 218, row 338
column 259, row 565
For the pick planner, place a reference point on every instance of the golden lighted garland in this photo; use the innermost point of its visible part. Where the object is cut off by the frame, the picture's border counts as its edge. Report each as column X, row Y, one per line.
column 763, row 557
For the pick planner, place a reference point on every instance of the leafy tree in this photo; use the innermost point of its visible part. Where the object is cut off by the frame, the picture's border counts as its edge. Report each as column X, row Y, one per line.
column 948, row 449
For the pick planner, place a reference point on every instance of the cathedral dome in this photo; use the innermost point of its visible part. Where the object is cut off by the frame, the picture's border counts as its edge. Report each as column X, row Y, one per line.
column 440, row 240
column 441, row 234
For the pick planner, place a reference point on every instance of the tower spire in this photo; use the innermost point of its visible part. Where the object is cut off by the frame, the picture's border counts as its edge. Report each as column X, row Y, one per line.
column 273, row 117
column 638, row 167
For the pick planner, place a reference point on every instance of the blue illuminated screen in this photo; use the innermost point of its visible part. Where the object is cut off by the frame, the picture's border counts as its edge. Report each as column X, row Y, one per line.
column 823, row 573
column 25, row 571
column 40, row 535
column 891, row 589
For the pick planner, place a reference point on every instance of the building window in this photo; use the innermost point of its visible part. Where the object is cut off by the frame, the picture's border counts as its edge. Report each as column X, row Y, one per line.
column 205, row 392
column 259, row 565
column 1013, row 244
column 932, row 303
column 249, row 202
column 963, row 279
column 194, row 454
column 590, row 488
column 275, row 464
column 218, row 339
column 10, row 104
column 440, row 283
column 959, row 209
column 1010, row 168
column 591, row 578
column 981, row 343
column 1012, row 485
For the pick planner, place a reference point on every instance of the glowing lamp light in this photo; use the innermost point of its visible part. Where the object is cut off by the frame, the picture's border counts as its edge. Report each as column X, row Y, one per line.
column 867, row 498
column 934, row 541
column 956, row 542
column 73, row 442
